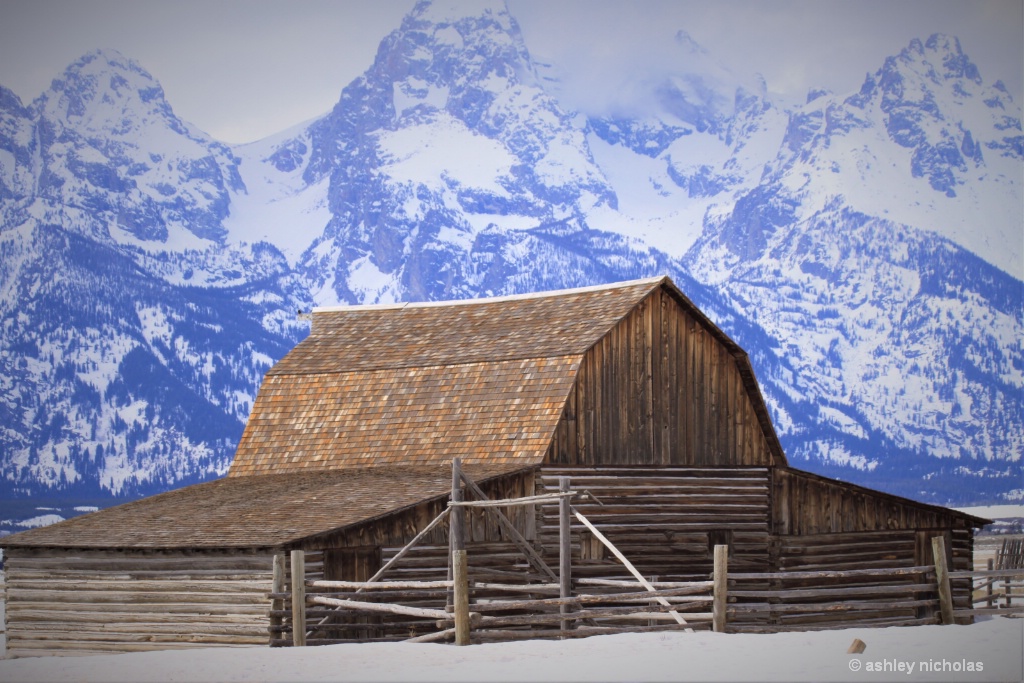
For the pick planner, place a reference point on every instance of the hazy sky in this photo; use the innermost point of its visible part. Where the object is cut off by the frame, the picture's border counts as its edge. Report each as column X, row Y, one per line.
column 243, row 69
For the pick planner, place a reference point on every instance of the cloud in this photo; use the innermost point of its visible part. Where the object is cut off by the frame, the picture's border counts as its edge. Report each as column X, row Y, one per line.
column 608, row 45
column 243, row 69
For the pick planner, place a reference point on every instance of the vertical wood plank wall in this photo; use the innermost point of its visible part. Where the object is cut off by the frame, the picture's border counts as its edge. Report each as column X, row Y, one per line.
column 90, row 602
column 806, row 504
column 659, row 389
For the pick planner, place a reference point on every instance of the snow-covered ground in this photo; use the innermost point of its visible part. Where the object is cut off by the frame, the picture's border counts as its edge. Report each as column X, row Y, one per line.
column 995, row 512
column 990, row 650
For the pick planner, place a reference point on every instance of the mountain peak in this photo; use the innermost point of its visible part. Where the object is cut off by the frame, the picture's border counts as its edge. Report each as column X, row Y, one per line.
column 9, row 100
column 686, row 42
column 102, row 91
column 941, row 56
column 87, row 70
column 451, row 56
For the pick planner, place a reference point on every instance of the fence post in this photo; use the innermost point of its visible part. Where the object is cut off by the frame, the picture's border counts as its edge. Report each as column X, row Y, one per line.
column 564, row 549
column 942, row 579
column 298, row 598
column 279, row 585
column 461, row 570
column 654, row 579
column 721, row 588
column 456, row 519
column 988, row 590
column 458, row 516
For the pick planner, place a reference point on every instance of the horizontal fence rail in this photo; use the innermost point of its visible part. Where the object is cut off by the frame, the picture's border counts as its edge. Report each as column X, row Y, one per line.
column 994, row 592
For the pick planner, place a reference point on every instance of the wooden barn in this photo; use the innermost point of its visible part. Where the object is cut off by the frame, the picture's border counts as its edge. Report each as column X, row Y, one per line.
column 628, row 390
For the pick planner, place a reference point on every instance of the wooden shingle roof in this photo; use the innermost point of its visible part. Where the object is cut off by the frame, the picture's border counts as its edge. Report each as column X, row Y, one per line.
column 483, row 380
column 252, row 512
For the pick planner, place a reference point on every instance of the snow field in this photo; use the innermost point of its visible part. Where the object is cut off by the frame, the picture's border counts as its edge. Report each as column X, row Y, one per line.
column 987, row 651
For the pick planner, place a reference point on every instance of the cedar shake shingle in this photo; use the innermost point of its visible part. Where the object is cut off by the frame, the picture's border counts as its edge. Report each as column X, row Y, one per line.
column 252, row 512
column 415, row 384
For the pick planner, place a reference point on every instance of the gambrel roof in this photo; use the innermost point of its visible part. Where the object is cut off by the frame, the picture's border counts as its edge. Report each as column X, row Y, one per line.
column 484, row 380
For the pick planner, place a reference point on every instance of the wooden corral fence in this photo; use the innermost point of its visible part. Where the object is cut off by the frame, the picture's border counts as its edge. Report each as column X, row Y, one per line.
column 308, row 610
column 327, row 612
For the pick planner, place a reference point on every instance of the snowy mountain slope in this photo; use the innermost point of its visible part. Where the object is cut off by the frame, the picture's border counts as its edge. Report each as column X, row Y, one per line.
column 275, row 203
column 16, row 158
column 135, row 335
column 447, row 136
column 117, row 380
column 851, row 250
column 926, row 143
column 149, row 275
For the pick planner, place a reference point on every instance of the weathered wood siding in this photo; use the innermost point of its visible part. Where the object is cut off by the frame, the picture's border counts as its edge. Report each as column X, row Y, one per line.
column 807, row 504
column 660, row 389
column 401, row 526
column 666, row 521
column 820, row 524
column 62, row 602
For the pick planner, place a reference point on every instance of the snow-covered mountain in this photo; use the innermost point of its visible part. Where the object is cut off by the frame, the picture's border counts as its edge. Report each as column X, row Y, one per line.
column 864, row 247
column 134, row 333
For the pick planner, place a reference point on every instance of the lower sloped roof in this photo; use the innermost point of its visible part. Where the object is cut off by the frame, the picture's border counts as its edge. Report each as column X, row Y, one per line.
column 264, row 511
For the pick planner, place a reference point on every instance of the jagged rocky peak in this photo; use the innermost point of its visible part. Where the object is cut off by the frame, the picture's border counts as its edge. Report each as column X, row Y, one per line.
column 956, row 63
column 108, row 140
column 939, row 62
column 9, row 100
column 452, row 56
column 935, row 102
column 700, row 91
column 106, row 92
column 686, row 42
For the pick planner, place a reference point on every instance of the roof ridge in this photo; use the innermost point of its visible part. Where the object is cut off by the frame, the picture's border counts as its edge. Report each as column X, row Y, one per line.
column 432, row 364
column 652, row 281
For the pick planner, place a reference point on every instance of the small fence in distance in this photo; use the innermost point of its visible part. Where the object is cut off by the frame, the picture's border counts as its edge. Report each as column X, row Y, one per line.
column 995, row 588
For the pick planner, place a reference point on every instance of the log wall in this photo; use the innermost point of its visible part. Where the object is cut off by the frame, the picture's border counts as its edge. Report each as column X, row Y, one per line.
column 666, row 521
column 65, row 602
column 825, row 524
column 661, row 389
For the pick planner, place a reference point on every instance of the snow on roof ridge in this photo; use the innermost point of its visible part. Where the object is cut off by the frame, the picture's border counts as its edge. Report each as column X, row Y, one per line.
column 488, row 300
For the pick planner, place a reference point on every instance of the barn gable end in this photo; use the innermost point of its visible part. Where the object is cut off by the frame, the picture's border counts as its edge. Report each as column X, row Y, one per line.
column 665, row 386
